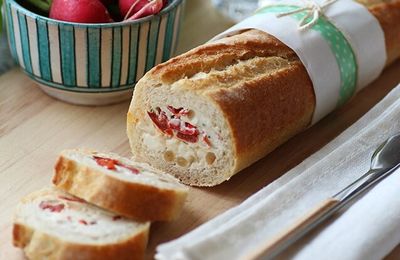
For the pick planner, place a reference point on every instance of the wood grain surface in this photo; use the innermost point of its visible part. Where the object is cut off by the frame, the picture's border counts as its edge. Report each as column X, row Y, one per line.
column 35, row 127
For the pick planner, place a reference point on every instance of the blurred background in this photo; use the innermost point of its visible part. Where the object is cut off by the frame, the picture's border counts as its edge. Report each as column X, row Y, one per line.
column 6, row 62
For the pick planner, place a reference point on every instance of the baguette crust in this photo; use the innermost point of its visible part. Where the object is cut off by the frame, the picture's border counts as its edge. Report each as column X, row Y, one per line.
column 388, row 15
column 38, row 245
column 277, row 101
column 133, row 200
column 262, row 110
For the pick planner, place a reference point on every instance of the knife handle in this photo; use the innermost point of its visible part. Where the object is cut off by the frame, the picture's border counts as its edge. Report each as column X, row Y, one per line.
column 271, row 248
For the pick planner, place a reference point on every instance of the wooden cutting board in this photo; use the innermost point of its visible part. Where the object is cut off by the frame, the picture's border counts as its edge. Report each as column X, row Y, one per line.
column 35, row 127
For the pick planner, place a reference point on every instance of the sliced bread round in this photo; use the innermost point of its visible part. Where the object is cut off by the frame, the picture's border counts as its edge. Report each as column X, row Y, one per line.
column 51, row 224
column 131, row 189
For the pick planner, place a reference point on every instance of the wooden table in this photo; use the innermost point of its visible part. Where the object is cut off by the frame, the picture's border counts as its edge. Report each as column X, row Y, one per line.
column 35, row 127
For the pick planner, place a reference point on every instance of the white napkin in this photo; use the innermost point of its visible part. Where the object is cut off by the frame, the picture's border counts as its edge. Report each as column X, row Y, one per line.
column 369, row 229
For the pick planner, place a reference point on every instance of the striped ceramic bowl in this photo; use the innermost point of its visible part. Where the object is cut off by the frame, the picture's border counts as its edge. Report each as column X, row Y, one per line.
column 90, row 64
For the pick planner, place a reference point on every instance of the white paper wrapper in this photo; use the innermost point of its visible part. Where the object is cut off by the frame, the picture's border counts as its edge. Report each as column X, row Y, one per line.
column 360, row 28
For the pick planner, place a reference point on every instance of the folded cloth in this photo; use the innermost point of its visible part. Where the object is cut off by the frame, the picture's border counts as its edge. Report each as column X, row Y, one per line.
column 369, row 229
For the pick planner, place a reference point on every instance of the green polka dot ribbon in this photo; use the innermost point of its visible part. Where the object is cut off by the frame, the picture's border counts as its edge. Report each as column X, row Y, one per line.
column 339, row 45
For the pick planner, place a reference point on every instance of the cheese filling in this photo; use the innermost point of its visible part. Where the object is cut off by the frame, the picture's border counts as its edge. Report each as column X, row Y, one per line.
column 183, row 137
column 125, row 170
column 73, row 218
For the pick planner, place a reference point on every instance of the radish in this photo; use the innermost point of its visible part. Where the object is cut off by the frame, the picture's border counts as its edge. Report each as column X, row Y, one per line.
column 135, row 9
column 153, row 7
column 80, row 11
column 136, row 5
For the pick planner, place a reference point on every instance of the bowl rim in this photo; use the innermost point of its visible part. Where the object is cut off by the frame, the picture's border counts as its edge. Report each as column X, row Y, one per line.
column 34, row 15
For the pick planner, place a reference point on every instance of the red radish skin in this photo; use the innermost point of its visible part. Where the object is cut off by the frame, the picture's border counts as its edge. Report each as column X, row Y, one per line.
column 134, row 6
column 80, row 11
column 151, row 8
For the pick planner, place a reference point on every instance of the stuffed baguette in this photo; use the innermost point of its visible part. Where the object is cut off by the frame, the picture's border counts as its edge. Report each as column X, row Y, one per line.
column 53, row 225
column 207, row 114
column 134, row 190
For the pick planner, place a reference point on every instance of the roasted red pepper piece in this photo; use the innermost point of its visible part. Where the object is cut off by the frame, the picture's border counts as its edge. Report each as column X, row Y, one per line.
column 187, row 138
column 111, row 163
column 206, row 140
column 161, row 121
column 84, row 222
column 116, row 218
column 132, row 169
column 189, row 129
column 178, row 111
column 106, row 162
column 184, row 130
column 173, row 110
column 175, row 124
column 52, row 207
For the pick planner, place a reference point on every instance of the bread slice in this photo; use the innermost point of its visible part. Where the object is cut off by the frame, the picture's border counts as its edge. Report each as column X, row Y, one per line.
column 131, row 189
column 51, row 224
column 207, row 114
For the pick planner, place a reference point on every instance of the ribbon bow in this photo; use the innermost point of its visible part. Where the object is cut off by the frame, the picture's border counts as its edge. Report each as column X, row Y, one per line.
column 312, row 9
